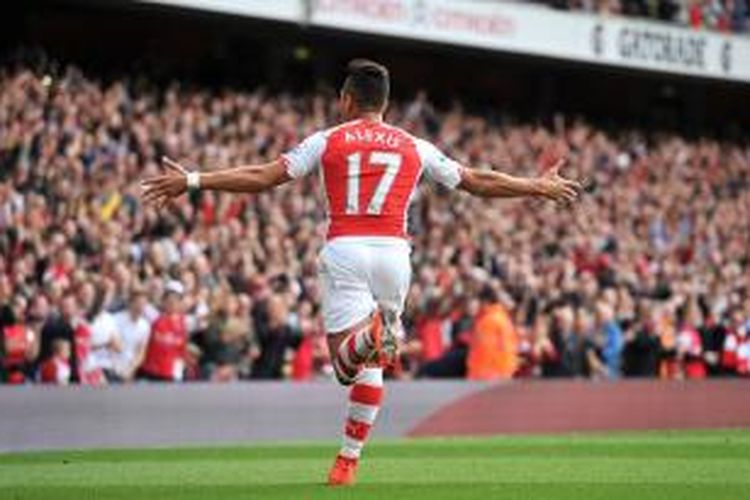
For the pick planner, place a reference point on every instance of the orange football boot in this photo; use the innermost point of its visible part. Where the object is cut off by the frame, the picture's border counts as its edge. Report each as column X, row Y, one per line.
column 343, row 472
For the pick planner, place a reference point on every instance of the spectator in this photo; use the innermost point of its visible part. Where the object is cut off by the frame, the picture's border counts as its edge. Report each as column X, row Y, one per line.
column 735, row 358
column 738, row 15
column 431, row 331
column 56, row 369
column 720, row 15
column 61, row 326
column 493, row 350
column 713, row 334
column 226, row 342
column 277, row 339
column 695, row 14
column 589, row 358
column 70, row 217
column 307, row 354
column 689, row 343
column 20, row 345
column 548, row 348
column 642, row 353
column 613, row 339
column 88, row 371
column 567, row 342
column 452, row 363
column 134, row 330
column 166, row 352
column 106, row 342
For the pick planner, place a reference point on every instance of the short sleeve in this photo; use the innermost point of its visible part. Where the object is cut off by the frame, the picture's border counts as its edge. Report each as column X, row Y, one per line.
column 305, row 157
column 438, row 166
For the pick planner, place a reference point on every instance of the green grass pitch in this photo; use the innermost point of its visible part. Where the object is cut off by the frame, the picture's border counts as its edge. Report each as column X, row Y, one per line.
column 705, row 465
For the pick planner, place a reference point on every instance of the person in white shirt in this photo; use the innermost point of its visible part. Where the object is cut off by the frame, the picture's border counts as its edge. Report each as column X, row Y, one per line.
column 105, row 340
column 134, row 331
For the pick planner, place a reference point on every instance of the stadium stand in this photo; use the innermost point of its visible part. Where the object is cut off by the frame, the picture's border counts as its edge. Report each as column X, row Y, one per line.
column 649, row 276
column 727, row 16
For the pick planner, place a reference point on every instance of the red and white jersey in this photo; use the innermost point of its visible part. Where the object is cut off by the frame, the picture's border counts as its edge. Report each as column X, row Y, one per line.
column 167, row 347
column 370, row 171
column 736, row 353
column 56, row 370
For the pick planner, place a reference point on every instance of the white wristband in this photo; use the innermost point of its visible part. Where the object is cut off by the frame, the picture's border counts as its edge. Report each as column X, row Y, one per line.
column 194, row 180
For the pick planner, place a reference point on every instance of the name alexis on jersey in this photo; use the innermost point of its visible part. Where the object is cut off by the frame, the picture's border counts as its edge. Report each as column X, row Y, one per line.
column 390, row 140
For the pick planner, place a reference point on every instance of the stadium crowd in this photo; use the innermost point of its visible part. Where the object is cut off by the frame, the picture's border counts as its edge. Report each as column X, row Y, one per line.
column 649, row 275
column 716, row 15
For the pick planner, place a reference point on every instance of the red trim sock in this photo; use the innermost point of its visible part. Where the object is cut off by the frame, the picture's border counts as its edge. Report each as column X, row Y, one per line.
column 365, row 397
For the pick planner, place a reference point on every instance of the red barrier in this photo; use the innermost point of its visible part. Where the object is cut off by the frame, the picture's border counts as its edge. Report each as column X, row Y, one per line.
column 567, row 406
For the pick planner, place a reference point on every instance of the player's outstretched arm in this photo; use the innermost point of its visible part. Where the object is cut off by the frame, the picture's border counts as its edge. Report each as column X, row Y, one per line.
column 550, row 185
column 177, row 179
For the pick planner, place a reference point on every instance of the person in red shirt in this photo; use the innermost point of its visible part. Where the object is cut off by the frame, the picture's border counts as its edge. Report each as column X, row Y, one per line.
column 88, row 374
column 167, row 346
column 20, row 345
column 735, row 357
column 695, row 13
column 56, row 369
column 458, row 325
column 304, row 357
column 431, row 331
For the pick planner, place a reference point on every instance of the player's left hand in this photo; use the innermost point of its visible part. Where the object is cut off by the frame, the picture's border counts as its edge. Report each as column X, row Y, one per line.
column 160, row 189
column 553, row 185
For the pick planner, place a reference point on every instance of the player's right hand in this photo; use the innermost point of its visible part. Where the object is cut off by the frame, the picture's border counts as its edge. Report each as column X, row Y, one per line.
column 160, row 189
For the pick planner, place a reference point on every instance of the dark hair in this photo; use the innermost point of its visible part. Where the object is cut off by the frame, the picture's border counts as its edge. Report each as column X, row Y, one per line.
column 488, row 295
column 368, row 83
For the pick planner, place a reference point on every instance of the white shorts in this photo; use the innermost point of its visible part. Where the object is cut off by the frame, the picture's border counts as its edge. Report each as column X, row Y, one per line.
column 359, row 274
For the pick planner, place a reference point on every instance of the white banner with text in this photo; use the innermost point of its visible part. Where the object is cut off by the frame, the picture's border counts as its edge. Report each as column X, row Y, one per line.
column 518, row 28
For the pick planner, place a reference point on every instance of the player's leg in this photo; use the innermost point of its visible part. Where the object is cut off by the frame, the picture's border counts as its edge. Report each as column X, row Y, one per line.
column 348, row 308
column 349, row 313
column 351, row 349
column 363, row 405
column 391, row 276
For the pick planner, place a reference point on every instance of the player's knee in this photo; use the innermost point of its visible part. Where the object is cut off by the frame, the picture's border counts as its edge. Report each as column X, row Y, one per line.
column 344, row 377
column 343, row 380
